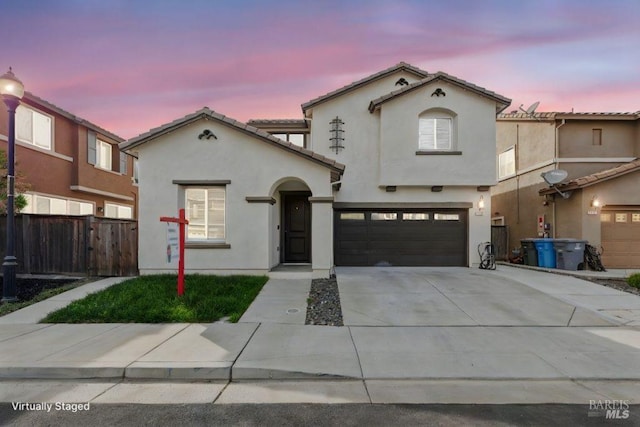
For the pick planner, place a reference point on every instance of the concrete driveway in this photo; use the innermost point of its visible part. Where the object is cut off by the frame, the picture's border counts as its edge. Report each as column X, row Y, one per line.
column 432, row 296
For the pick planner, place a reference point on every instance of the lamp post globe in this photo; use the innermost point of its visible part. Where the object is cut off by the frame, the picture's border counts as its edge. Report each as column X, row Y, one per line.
column 11, row 90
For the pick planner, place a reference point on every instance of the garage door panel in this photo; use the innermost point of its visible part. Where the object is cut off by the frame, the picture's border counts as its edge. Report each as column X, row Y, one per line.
column 620, row 239
column 421, row 242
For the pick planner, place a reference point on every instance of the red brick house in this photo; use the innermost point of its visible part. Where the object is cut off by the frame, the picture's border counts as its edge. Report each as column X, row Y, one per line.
column 73, row 166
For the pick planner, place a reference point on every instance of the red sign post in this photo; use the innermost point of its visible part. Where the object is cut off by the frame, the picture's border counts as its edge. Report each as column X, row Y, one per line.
column 182, row 221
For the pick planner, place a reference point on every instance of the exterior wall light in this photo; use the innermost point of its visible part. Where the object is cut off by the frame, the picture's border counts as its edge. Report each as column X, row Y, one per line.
column 595, row 202
column 481, row 203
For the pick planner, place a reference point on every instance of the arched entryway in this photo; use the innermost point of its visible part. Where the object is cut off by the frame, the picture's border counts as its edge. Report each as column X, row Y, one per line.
column 292, row 217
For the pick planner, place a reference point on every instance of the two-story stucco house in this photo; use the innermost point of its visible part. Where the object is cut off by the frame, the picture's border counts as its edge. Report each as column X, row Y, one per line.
column 72, row 166
column 393, row 169
column 599, row 200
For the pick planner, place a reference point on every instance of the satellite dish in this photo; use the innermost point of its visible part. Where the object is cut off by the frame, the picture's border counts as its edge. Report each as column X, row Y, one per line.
column 555, row 176
column 532, row 108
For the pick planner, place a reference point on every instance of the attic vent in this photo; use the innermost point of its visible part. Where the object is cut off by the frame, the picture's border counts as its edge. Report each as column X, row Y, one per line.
column 438, row 92
column 207, row 134
column 402, row 82
column 336, row 131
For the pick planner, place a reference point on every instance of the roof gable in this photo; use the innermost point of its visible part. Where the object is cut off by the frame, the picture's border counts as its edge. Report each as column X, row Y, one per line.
column 208, row 114
column 501, row 101
column 402, row 66
column 595, row 178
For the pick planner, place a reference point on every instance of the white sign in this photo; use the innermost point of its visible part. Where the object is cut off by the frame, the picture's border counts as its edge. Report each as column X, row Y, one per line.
column 173, row 243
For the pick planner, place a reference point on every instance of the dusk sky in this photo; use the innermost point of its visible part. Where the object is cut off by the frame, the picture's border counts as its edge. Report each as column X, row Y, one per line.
column 130, row 65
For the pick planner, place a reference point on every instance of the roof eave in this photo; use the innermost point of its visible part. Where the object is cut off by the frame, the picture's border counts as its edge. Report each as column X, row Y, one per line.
column 78, row 120
column 360, row 83
column 252, row 131
column 501, row 102
column 569, row 186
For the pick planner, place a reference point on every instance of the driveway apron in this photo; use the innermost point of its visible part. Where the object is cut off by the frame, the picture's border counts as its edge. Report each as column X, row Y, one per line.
column 451, row 296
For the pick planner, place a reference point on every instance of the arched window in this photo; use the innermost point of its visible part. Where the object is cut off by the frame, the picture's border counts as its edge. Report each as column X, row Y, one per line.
column 436, row 130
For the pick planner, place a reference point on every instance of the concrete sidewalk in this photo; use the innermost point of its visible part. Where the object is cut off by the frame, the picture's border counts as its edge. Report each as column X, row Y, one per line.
column 596, row 357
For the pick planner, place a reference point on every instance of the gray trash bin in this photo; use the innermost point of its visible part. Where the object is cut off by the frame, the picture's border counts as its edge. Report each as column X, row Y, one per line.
column 529, row 252
column 569, row 253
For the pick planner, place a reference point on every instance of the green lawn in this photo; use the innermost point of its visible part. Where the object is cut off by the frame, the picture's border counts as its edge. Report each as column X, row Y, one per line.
column 153, row 299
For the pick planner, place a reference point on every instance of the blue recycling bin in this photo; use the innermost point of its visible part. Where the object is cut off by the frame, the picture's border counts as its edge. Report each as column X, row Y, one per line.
column 546, row 253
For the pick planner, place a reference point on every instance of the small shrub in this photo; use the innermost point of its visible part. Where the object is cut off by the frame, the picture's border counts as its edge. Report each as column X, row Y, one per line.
column 634, row 280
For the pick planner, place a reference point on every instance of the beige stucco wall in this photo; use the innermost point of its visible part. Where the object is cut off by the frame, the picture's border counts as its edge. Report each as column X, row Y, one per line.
column 380, row 149
column 534, row 141
column 616, row 192
column 362, row 135
column 474, row 130
column 251, row 228
column 618, row 139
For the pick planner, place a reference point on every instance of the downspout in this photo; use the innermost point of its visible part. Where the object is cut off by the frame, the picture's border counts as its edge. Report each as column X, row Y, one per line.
column 557, row 163
column 517, row 149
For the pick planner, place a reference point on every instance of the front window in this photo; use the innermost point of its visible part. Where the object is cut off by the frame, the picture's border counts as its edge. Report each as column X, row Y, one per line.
column 39, row 204
column 33, row 127
column 205, row 209
column 435, row 133
column 111, row 210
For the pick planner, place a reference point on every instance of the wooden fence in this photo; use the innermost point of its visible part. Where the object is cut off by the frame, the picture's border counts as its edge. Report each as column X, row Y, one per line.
column 76, row 245
column 500, row 240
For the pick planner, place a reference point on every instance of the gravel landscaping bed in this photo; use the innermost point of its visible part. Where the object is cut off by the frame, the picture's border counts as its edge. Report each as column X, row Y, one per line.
column 619, row 284
column 28, row 288
column 323, row 305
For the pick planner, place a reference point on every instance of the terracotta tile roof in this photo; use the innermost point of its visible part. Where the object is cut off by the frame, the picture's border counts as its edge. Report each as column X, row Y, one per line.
column 525, row 116
column 552, row 115
column 28, row 96
column 243, row 127
column 402, row 66
column 301, row 125
column 277, row 121
column 501, row 100
column 595, row 178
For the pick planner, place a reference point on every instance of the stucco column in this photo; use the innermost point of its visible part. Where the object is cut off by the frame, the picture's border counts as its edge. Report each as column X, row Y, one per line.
column 479, row 227
column 321, row 235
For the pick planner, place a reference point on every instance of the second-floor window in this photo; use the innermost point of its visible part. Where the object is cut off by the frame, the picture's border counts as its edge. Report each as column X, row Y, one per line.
column 294, row 138
column 104, row 155
column 34, row 127
column 99, row 153
column 435, row 131
column 507, row 163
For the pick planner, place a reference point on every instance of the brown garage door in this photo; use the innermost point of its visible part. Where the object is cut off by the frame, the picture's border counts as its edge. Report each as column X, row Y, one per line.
column 401, row 237
column 620, row 230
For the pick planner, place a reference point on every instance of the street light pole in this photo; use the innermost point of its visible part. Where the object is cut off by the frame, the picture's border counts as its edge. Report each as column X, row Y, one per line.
column 12, row 91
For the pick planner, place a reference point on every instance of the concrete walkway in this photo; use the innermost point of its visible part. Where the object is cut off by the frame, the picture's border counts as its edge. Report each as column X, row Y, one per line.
column 412, row 335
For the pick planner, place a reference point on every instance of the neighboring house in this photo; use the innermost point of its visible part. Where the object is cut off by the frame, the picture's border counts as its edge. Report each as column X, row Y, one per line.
column 600, row 153
column 73, row 166
column 393, row 169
